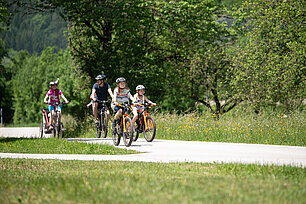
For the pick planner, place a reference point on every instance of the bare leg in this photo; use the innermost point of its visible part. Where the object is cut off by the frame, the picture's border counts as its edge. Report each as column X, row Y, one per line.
column 108, row 115
column 119, row 112
column 135, row 117
column 52, row 116
column 95, row 110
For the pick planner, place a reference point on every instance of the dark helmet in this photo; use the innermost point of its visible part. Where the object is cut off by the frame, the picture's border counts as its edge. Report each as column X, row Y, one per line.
column 100, row 77
column 120, row 79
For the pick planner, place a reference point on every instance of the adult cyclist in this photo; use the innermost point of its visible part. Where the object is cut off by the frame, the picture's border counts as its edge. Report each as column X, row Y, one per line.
column 100, row 91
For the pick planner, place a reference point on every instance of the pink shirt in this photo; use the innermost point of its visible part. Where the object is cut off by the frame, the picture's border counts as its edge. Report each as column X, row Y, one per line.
column 54, row 96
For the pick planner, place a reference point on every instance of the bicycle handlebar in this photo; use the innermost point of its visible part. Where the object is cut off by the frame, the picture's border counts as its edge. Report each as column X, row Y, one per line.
column 146, row 104
column 56, row 104
column 99, row 101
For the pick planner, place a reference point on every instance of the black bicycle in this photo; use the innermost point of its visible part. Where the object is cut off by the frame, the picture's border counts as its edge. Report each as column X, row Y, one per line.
column 124, row 128
column 102, row 126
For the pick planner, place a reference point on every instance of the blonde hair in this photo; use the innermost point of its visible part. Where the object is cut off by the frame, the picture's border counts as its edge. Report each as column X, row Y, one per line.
column 118, row 90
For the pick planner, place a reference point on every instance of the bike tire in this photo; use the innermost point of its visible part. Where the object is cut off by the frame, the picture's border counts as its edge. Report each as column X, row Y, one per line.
column 116, row 135
column 98, row 131
column 104, row 124
column 128, row 134
column 53, row 132
column 149, row 133
column 41, row 130
column 136, row 133
column 61, row 134
column 58, row 127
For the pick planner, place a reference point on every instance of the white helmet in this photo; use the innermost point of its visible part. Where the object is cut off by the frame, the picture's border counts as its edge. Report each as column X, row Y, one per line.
column 120, row 79
column 139, row 87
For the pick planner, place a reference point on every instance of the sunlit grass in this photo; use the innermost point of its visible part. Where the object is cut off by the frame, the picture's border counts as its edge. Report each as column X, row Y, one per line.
column 238, row 127
column 57, row 146
column 56, row 181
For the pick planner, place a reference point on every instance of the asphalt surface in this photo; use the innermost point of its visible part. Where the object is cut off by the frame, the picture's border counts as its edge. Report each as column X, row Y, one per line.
column 176, row 151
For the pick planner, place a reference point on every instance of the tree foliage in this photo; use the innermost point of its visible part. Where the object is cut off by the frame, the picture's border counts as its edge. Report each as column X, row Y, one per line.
column 30, row 82
column 36, row 32
column 270, row 66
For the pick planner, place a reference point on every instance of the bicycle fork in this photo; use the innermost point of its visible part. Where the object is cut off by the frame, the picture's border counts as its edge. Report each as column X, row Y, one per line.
column 123, row 121
column 145, row 120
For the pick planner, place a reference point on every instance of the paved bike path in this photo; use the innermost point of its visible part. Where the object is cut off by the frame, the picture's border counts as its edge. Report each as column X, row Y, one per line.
column 186, row 151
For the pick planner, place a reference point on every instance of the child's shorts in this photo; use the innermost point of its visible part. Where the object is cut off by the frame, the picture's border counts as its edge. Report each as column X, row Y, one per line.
column 52, row 107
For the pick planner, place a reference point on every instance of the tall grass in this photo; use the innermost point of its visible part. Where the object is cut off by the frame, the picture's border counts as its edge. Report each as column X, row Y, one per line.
column 238, row 126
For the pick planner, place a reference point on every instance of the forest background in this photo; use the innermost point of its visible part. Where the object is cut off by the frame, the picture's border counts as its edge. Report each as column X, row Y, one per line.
column 191, row 55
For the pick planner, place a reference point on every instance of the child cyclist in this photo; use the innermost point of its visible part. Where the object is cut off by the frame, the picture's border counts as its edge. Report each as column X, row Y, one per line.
column 54, row 98
column 121, row 95
column 140, row 98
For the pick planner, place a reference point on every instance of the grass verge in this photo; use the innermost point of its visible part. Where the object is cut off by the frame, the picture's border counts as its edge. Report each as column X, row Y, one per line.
column 55, row 181
column 240, row 125
column 56, row 146
column 234, row 127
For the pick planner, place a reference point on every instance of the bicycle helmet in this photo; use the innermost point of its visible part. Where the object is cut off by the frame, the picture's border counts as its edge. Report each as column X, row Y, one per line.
column 100, row 77
column 139, row 87
column 52, row 83
column 120, row 79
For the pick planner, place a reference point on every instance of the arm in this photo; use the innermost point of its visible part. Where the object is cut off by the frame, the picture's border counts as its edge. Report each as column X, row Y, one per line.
column 45, row 99
column 115, row 97
column 132, row 98
column 147, row 100
column 92, row 96
column 66, row 101
column 111, row 93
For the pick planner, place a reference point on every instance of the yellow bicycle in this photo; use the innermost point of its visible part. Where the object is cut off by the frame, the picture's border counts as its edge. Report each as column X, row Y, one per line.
column 145, row 124
column 124, row 128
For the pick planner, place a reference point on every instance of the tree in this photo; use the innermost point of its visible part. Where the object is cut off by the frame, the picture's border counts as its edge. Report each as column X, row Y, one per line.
column 36, row 32
column 151, row 42
column 30, row 83
column 270, row 66
column 5, row 101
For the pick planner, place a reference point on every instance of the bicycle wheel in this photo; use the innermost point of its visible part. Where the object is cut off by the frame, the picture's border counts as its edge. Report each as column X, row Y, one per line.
column 150, row 131
column 53, row 132
column 54, row 125
column 98, row 131
column 128, row 132
column 137, row 132
column 104, row 123
column 58, row 127
column 116, row 134
column 61, row 130
column 41, row 130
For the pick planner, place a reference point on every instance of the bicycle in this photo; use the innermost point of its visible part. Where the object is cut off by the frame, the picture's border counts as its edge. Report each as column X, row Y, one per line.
column 45, row 124
column 58, row 127
column 145, row 124
column 124, row 128
column 101, row 127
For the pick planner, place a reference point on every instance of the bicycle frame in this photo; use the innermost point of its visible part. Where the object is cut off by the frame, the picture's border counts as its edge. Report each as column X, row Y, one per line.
column 56, row 111
column 124, row 116
column 143, row 116
column 46, row 118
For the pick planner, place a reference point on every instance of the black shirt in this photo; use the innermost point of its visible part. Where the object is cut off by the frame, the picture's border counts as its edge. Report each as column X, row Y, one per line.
column 101, row 92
